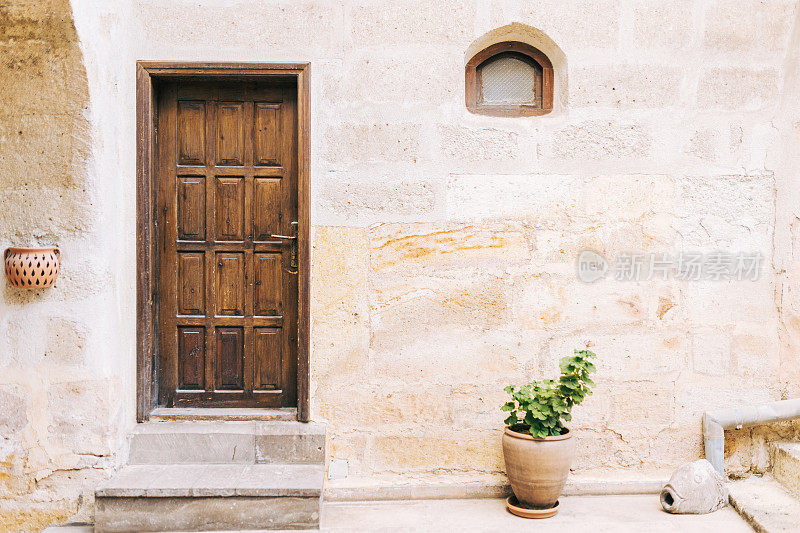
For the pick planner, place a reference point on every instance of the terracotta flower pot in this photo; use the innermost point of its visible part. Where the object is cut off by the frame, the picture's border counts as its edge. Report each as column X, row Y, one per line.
column 537, row 468
column 32, row 268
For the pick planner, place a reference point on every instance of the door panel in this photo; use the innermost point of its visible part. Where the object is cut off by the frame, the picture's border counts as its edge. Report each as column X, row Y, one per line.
column 266, row 144
column 230, row 349
column 191, row 132
column 192, row 208
column 230, row 133
column 230, row 208
column 230, row 283
column 267, row 296
column 191, row 357
column 191, row 283
column 227, row 294
column 267, row 212
column 268, row 369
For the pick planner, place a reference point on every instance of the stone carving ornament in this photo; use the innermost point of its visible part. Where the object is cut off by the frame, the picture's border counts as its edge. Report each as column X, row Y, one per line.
column 694, row 488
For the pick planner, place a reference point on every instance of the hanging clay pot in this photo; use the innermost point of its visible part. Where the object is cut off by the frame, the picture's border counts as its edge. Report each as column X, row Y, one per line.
column 32, row 268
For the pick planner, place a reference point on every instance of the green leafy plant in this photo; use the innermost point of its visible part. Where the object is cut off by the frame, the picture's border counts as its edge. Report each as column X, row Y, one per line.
column 543, row 406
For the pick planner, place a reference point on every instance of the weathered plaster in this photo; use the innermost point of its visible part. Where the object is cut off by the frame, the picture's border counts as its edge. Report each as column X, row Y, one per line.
column 59, row 424
column 444, row 242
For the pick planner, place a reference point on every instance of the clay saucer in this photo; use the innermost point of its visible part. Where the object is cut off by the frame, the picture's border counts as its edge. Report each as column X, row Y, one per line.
column 514, row 507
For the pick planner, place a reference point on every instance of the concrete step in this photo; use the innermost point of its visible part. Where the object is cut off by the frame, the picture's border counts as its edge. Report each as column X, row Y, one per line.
column 785, row 458
column 766, row 504
column 209, row 497
column 227, row 442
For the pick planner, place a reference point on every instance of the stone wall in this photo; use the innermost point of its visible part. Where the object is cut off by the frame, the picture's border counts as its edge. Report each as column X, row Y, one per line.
column 444, row 242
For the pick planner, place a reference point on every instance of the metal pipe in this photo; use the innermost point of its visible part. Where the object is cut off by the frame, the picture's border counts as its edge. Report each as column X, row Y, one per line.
column 716, row 422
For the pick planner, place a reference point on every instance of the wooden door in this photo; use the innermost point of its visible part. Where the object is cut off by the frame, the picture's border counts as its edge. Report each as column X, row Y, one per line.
column 227, row 199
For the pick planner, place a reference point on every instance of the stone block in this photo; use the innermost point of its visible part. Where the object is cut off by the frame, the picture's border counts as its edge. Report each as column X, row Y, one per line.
column 413, row 78
column 405, row 406
column 407, row 22
column 45, row 213
column 642, row 408
column 627, row 86
column 697, row 393
column 13, row 411
column 478, row 406
column 601, row 140
column 623, row 453
column 731, row 303
column 339, row 302
column 738, row 89
column 79, row 415
column 35, row 517
column 349, row 447
column 449, row 356
column 340, row 267
column 627, row 197
column 665, row 24
column 482, row 146
column 555, row 251
column 214, row 480
column 345, row 200
column 755, row 356
column 58, row 76
column 290, row 443
column 703, row 144
column 192, row 443
column 47, row 21
column 582, row 24
column 749, row 25
column 205, row 514
column 711, row 353
column 552, row 302
column 429, row 303
column 24, row 348
column 477, row 196
column 431, row 248
column 730, row 213
column 766, row 504
column 26, row 139
column 300, row 27
column 785, row 459
column 65, row 341
column 480, row 452
column 629, row 355
column 372, row 142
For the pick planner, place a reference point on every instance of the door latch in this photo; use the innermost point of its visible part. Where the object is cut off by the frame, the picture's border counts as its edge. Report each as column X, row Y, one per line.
column 293, row 264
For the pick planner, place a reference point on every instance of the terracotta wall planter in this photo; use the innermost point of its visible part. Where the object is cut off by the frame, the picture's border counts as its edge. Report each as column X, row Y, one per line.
column 32, row 268
column 537, row 468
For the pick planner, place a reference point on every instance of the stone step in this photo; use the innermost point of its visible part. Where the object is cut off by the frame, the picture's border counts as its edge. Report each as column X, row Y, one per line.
column 209, row 497
column 226, row 442
column 785, row 458
column 765, row 504
column 175, row 414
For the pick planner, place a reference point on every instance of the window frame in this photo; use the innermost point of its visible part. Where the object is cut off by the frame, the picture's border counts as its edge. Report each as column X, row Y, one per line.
column 472, row 79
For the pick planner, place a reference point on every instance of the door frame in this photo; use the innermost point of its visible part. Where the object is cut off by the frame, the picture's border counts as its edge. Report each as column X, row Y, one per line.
column 148, row 74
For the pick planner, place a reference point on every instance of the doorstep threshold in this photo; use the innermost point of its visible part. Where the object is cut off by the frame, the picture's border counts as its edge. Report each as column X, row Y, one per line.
column 171, row 414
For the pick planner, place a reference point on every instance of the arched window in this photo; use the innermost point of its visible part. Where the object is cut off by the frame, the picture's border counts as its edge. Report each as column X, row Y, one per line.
column 509, row 79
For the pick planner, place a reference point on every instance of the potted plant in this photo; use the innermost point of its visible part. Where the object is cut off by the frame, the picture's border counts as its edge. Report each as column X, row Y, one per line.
column 538, row 448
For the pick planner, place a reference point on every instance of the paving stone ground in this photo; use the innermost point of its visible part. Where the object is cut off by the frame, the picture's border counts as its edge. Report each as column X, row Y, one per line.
column 596, row 514
column 593, row 514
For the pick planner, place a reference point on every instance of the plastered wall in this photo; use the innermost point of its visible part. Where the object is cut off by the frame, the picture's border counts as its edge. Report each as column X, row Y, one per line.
column 61, row 350
column 444, row 242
